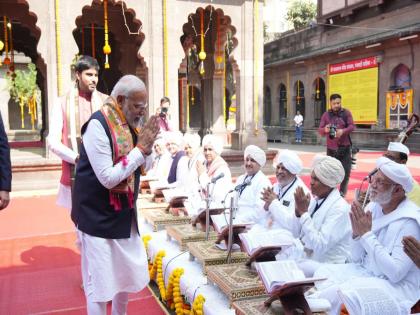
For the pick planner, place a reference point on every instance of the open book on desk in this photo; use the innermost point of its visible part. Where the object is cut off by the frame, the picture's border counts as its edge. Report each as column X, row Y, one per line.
column 277, row 275
column 149, row 178
column 253, row 242
column 221, row 223
column 369, row 301
column 175, row 195
column 265, row 246
column 158, row 185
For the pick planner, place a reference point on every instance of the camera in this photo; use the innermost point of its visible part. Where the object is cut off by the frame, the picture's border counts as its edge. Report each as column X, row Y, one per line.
column 163, row 111
column 333, row 131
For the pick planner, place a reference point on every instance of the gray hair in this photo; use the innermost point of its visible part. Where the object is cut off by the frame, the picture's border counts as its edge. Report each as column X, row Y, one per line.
column 126, row 85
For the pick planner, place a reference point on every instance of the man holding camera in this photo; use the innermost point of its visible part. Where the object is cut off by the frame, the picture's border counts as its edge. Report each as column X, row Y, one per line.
column 337, row 124
column 162, row 113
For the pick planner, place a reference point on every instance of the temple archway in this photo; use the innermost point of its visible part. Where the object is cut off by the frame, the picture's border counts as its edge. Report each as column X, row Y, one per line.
column 215, row 77
column 23, row 38
column 124, row 57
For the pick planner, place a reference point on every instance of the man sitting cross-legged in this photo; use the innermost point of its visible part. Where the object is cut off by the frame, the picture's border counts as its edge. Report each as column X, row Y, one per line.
column 321, row 223
column 377, row 252
column 279, row 201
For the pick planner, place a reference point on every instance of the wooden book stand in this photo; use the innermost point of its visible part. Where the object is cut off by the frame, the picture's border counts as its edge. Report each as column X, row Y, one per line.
column 237, row 229
column 292, row 298
column 201, row 218
column 264, row 254
column 176, row 206
column 145, row 188
column 158, row 196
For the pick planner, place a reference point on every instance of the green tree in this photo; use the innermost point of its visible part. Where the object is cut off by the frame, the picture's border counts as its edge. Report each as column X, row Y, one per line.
column 23, row 89
column 300, row 13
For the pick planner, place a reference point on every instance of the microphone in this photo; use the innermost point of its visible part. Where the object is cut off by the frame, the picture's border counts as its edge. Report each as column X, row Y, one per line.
column 215, row 179
column 371, row 174
column 243, row 185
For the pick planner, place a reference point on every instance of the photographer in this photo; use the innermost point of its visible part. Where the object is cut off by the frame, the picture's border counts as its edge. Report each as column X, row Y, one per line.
column 337, row 124
column 162, row 113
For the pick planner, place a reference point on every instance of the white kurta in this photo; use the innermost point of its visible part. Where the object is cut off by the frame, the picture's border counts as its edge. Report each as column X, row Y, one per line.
column 285, row 204
column 110, row 266
column 326, row 235
column 56, row 146
column 250, row 205
column 379, row 257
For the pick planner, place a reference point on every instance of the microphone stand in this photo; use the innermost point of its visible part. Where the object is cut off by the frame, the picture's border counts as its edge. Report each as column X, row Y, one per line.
column 233, row 208
column 208, row 200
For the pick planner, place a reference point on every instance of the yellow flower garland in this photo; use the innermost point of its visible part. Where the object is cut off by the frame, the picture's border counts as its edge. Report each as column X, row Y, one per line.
column 197, row 307
column 156, row 271
column 173, row 293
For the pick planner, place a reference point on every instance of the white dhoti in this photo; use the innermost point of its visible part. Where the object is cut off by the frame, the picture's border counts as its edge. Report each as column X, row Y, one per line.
column 111, row 266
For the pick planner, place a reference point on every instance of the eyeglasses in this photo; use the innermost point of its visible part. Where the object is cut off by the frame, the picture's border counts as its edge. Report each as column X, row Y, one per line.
column 137, row 105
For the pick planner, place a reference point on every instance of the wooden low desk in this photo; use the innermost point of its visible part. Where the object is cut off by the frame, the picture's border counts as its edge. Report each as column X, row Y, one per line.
column 208, row 254
column 186, row 233
column 159, row 218
column 147, row 204
column 256, row 306
column 237, row 281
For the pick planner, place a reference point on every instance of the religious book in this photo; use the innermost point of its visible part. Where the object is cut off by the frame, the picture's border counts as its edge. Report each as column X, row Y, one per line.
column 369, row 301
column 253, row 242
column 277, row 275
column 174, row 195
column 158, row 185
column 221, row 223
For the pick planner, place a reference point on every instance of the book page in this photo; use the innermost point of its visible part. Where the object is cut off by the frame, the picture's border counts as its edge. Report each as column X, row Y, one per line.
column 220, row 221
column 279, row 272
column 172, row 193
column 254, row 241
column 369, row 301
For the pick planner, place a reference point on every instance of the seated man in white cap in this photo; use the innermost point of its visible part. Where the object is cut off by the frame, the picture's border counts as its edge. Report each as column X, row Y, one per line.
column 279, row 200
column 251, row 184
column 377, row 252
column 321, row 223
column 399, row 153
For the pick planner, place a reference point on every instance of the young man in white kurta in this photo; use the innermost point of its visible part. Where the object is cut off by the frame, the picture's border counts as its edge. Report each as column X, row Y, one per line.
column 250, row 205
column 89, row 100
column 377, row 251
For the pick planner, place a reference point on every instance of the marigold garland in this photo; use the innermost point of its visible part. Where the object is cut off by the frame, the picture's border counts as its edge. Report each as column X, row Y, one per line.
column 197, row 307
column 156, row 273
column 173, row 293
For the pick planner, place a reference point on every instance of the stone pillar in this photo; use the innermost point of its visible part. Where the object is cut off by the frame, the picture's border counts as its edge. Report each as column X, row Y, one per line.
column 250, row 129
column 218, row 122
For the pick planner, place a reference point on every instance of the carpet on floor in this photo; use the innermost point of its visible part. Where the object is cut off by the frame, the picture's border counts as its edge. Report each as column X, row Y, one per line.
column 41, row 275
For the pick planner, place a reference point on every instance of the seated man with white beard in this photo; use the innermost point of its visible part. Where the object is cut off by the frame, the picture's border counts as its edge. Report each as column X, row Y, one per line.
column 321, row 223
column 377, row 251
column 279, row 201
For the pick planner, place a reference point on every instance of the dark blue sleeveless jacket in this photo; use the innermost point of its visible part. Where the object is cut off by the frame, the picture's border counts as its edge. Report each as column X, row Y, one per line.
column 91, row 210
